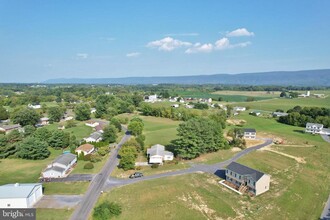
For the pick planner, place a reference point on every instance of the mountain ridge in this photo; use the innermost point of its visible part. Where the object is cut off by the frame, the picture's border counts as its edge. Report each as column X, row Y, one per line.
column 319, row 77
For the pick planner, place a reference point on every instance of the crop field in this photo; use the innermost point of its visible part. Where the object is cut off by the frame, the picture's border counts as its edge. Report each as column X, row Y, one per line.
column 215, row 96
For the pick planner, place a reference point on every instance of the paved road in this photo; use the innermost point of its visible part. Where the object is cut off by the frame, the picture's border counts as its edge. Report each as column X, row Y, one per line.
column 86, row 205
column 326, row 211
column 326, row 137
column 213, row 169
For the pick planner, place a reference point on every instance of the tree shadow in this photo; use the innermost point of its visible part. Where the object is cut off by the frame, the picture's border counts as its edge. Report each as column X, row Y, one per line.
column 299, row 131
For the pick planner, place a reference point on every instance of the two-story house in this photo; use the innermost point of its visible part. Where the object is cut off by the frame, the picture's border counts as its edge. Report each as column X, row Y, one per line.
column 247, row 179
column 250, row 133
column 158, row 154
column 314, row 128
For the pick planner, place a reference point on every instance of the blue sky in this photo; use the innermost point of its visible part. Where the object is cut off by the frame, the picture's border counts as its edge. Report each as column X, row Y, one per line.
column 40, row 40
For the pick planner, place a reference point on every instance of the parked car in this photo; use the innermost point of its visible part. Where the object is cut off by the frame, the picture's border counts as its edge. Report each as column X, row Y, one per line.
column 136, row 175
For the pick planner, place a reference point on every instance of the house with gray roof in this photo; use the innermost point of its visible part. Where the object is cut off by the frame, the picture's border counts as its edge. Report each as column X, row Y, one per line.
column 8, row 128
column 247, row 179
column 158, row 154
column 94, row 137
column 20, row 195
column 280, row 114
column 250, row 133
column 60, row 166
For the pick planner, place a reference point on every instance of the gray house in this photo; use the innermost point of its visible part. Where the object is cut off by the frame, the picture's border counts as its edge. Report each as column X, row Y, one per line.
column 60, row 166
column 314, row 128
column 247, row 179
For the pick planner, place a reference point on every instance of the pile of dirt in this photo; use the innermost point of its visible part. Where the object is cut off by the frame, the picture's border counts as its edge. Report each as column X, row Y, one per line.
column 235, row 121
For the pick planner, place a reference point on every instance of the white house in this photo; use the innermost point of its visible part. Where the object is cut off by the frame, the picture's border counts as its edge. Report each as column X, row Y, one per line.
column 44, row 121
column 93, row 110
column 239, row 109
column 250, row 133
column 158, row 154
column 60, row 166
column 279, row 114
column 151, row 98
column 308, row 93
column 94, row 137
column 68, row 118
column 85, row 149
column 175, row 106
column 247, row 179
column 20, row 195
column 92, row 123
column 34, row 106
column 255, row 113
column 314, row 128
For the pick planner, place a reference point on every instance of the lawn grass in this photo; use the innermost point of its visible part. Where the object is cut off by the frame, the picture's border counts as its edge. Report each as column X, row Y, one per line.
column 192, row 196
column 79, row 168
column 24, row 171
column 65, row 188
column 80, row 131
column 54, row 214
column 215, row 157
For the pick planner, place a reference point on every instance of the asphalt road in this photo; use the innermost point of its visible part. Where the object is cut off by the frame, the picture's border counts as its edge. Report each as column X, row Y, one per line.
column 90, row 198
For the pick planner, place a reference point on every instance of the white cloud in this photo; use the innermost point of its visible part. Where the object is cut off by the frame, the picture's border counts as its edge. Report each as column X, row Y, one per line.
column 239, row 33
column 168, row 44
column 82, row 56
column 183, row 34
column 224, row 43
column 133, row 54
column 200, row 48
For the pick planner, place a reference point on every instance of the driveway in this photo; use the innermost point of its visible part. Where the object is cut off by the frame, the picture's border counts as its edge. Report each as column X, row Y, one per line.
column 58, row 201
column 326, row 137
column 74, row 178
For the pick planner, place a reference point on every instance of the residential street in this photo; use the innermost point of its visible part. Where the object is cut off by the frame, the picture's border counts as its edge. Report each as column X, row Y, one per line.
column 90, row 198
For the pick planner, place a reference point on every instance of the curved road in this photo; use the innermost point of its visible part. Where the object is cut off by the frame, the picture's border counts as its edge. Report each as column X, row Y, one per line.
column 102, row 181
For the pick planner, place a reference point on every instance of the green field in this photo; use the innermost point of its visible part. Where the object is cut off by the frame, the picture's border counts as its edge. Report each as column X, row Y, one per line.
column 80, row 131
column 79, row 168
column 69, row 188
column 285, row 104
column 215, row 96
column 53, row 214
column 24, row 171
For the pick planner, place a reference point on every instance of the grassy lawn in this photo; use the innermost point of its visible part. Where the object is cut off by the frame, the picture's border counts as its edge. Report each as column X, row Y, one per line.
column 215, row 157
column 193, row 196
column 54, row 214
column 79, row 168
column 24, row 171
column 72, row 188
column 80, row 131
column 147, row 170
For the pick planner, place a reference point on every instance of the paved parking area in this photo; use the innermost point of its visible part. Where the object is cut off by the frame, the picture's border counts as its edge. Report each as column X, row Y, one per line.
column 58, row 201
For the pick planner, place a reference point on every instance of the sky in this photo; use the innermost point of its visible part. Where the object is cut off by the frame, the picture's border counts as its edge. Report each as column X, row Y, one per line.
column 42, row 40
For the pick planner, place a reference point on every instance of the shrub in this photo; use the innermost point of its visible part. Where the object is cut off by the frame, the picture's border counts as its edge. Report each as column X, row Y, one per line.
column 155, row 165
column 106, row 210
column 95, row 158
column 87, row 157
column 88, row 166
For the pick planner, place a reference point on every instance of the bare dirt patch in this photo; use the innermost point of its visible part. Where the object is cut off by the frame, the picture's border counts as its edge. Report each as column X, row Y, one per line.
column 252, row 143
column 298, row 159
column 235, row 121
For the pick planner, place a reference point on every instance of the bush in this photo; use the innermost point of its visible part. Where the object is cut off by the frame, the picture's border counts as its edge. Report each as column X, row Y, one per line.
column 106, row 210
column 155, row 165
column 88, row 166
column 103, row 151
column 87, row 157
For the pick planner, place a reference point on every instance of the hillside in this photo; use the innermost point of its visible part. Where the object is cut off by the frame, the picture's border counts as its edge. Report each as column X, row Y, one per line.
column 296, row 78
